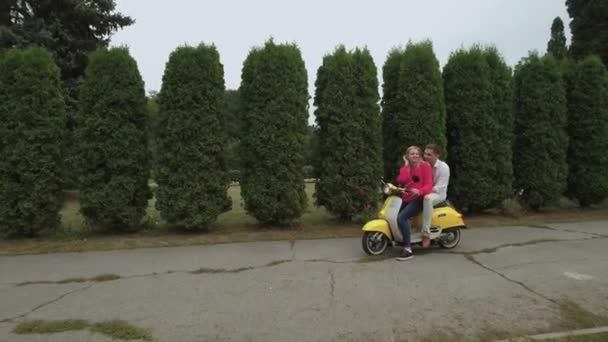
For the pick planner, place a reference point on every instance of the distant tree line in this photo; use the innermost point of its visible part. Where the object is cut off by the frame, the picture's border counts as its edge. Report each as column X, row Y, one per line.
column 535, row 132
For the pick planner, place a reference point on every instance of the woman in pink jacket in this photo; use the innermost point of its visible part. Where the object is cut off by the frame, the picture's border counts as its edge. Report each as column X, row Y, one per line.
column 416, row 176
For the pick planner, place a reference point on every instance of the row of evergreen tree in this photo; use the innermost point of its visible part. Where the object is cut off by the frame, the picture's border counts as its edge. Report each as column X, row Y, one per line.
column 536, row 132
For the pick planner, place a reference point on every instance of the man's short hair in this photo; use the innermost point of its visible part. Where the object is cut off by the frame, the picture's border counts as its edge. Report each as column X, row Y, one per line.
column 434, row 147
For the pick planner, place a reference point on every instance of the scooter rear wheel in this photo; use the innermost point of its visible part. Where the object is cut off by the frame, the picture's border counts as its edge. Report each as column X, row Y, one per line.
column 374, row 243
column 450, row 238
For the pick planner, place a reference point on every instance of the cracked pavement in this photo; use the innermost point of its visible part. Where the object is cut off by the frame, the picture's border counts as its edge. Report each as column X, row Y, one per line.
column 497, row 279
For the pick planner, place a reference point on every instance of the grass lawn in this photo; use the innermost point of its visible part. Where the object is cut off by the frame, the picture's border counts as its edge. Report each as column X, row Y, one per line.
column 114, row 329
column 235, row 220
column 236, row 226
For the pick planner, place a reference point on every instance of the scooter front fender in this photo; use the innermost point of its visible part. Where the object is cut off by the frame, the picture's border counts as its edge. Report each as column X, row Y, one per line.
column 378, row 226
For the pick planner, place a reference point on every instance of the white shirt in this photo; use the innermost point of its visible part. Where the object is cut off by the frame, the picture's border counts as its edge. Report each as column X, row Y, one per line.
column 441, row 178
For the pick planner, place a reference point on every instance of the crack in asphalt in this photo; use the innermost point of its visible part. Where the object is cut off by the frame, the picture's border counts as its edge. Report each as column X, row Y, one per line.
column 540, row 226
column 11, row 319
column 597, row 235
column 470, row 256
column 332, row 284
column 205, row 270
column 292, row 246
column 539, row 262
column 329, row 261
column 98, row 278
column 495, row 249
column 202, row 270
column 472, row 259
column 198, row 271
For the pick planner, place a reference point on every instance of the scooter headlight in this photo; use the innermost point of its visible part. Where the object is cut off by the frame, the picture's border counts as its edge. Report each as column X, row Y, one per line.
column 386, row 189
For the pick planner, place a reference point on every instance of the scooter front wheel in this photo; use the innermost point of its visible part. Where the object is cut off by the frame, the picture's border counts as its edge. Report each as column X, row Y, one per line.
column 374, row 243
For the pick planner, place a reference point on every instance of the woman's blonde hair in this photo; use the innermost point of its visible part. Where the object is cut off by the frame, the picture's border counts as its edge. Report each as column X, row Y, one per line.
column 413, row 147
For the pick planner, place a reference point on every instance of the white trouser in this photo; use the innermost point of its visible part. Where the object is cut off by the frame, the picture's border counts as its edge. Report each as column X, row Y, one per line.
column 428, row 203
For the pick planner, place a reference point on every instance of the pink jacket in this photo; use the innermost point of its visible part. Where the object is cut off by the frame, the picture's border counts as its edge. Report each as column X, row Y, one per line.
column 425, row 180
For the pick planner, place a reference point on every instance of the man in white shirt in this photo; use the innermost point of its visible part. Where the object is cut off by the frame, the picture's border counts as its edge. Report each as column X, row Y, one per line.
column 441, row 178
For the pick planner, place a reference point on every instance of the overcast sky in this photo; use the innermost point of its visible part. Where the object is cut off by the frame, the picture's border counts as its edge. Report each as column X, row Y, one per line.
column 318, row 26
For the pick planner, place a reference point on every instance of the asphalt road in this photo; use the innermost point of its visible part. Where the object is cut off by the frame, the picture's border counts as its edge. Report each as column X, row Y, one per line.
column 507, row 280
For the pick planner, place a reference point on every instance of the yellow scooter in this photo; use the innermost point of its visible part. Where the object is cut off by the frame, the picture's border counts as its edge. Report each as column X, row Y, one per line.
column 377, row 234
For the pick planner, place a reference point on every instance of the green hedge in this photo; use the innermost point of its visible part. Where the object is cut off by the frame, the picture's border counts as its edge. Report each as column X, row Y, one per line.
column 478, row 99
column 541, row 140
column 588, row 132
column 113, row 154
column 192, row 175
column 350, row 136
column 274, row 100
column 413, row 107
column 32, row 116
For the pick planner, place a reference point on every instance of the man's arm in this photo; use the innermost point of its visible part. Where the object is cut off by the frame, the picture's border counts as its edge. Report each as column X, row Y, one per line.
column 443, row 178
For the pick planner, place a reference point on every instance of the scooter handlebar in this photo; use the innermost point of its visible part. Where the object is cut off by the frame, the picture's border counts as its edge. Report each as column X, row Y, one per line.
column 396, row 189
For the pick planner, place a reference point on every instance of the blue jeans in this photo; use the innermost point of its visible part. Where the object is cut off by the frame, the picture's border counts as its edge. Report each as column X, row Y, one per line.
column 408, row 210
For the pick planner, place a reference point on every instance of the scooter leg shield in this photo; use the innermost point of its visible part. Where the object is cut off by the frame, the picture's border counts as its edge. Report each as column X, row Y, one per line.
column 378, row 226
